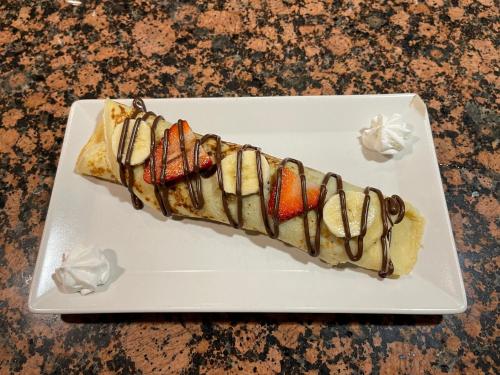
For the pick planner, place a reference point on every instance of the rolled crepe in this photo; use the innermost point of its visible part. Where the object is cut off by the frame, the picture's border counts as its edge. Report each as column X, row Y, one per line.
column 97, row 159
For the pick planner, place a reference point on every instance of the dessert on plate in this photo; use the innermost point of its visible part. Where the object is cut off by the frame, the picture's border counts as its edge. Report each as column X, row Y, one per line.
column 179, row 172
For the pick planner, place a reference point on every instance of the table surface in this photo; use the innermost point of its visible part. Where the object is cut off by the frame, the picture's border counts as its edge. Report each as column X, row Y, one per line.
column 53, row 53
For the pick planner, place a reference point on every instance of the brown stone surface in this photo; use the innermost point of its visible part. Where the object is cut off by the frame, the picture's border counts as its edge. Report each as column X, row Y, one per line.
column 53, row 53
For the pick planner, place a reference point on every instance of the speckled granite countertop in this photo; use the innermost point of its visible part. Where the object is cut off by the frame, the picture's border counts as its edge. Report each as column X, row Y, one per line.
column 53, row 53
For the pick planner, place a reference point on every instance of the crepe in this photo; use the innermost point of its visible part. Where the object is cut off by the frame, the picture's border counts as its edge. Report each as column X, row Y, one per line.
column 96, row 159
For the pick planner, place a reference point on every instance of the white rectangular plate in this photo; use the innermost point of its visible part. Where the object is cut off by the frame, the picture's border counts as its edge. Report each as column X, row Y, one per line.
column 171, row 265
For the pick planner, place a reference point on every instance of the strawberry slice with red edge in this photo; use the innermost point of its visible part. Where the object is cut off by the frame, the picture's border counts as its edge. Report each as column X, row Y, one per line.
column 291, row 204
column 175, row 167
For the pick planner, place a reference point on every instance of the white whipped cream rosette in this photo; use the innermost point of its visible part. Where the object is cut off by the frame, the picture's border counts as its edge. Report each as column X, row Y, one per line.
column 386, row 135
column 82, row 270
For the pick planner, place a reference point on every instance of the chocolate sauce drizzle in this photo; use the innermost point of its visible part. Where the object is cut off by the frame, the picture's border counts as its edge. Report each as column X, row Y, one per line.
column 392, row 209
column 125, row 167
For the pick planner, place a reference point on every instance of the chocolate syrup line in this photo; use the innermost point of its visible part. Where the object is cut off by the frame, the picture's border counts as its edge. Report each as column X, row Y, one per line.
column 321, row 203
column 239, row 197
column 260, row 178
column 220, row 177
column 393, row 205
column 277, row 199
column 272, row 232
column 139, row 105
column 163, row 203
column 125, row 167
column 347, row 230
column 386, row 206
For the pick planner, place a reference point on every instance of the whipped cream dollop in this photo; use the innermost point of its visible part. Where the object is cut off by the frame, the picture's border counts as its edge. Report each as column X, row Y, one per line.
column 385, row 135
column 82, row 270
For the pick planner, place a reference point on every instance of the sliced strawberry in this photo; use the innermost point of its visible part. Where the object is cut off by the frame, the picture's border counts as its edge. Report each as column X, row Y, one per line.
column 175, row 168
column 291, row 196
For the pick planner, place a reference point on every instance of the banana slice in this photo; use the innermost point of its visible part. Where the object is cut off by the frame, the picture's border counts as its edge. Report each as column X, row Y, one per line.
column 332, row 214
column 141, row 147
column 249, row 178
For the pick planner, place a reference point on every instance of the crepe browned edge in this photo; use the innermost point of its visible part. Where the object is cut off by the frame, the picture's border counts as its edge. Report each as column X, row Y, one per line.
column 96, row 160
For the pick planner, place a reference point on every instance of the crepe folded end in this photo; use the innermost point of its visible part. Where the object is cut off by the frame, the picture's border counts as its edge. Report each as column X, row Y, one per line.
column 405, row 244
column 93, row 160
column 96, row 159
